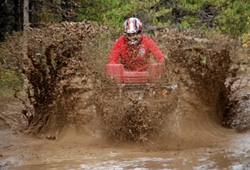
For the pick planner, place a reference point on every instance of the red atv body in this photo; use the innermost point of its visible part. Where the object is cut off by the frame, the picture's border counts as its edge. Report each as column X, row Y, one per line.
column 140, row 84
column 121, row 76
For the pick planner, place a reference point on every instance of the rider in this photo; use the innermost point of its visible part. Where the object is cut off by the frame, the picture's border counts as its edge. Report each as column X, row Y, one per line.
column 133, row 49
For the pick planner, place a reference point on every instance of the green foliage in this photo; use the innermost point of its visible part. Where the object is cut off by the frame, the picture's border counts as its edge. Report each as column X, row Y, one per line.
column 113, row 17
column 183, row 24
column 193, row 4
column 114, row 12
column 48, row 16
column 187, row 22
column 246, row 37
column 109, row 12
column 228, row 17
column 10, row 78
column 9, row 81
column 233, row 17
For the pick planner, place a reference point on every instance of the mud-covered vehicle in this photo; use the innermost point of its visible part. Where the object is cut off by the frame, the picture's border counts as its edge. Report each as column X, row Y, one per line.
column 140, row 84
column 136, row 108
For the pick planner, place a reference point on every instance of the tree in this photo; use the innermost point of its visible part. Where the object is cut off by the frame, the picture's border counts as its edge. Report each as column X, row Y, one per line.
column 233, row 17
column 10, row 20
column 26, row 25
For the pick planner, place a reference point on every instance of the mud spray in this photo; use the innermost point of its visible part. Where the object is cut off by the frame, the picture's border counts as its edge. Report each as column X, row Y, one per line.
column 69, row 95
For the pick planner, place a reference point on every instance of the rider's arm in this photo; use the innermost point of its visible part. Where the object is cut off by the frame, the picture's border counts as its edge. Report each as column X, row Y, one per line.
column 114, row 54
column 154, row 49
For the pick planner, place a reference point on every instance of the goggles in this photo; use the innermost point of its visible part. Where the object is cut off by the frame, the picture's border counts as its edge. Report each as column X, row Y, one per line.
column 133, row 34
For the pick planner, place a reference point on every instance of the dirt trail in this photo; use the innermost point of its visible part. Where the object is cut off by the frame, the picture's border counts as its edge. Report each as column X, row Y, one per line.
column 216, row 148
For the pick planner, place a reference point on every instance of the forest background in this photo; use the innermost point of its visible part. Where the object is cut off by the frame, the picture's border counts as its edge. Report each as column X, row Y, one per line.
column 228, row 17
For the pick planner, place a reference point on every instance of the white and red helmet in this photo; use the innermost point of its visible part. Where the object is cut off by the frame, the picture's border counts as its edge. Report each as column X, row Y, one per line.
column 132, row 25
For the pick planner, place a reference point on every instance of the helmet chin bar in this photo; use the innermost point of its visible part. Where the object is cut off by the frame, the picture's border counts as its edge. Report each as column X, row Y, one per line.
column 133, row 39
column 133, row 42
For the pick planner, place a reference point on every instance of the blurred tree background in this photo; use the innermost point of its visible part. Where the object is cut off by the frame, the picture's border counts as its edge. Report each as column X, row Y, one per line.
column 229, row 17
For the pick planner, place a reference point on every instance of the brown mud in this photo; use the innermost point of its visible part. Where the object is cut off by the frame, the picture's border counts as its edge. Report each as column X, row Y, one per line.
column 73, row 116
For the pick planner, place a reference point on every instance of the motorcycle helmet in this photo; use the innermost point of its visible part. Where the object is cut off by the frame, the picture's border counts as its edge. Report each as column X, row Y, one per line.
column 132, row 29
column 132, row 25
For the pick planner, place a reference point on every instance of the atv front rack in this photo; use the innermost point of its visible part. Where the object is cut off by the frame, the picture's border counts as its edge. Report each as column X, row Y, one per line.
column 139, row 83
column 121, row 76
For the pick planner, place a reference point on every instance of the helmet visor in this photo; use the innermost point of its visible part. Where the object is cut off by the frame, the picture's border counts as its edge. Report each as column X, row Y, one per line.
column 133, row 38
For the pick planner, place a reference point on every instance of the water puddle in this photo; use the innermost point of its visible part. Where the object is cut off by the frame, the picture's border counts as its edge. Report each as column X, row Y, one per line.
column 199, row 159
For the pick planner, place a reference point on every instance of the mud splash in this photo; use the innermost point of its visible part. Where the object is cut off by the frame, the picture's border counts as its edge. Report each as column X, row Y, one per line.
column 79, row 120
column 67, row 87
column 127, row 119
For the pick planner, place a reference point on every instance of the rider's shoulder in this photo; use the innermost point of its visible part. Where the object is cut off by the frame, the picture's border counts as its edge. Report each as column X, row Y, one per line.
column 146, row 38
column 120, row 39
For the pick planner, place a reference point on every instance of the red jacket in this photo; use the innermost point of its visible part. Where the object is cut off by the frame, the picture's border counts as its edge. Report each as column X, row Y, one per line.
column 134, row 58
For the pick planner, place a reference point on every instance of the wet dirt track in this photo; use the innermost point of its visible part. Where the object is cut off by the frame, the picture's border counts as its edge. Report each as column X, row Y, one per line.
column 217, row 148
column 43, row 154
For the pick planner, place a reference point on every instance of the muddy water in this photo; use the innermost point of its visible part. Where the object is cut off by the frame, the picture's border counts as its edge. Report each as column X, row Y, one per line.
column 218, row 148
column 233, row 154
column 208, row 161
column 192, row 139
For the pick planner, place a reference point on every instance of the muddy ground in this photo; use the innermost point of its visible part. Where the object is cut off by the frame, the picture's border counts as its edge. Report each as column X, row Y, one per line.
column 210, row 146
column 72, row 116
column 193, row 142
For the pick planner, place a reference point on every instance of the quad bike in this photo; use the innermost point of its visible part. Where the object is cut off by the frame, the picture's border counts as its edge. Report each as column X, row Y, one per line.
column 141, row 102
column 140, row 84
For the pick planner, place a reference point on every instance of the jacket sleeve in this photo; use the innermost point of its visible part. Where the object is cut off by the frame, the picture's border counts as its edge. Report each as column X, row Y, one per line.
column 154, row 49
column 114, row 54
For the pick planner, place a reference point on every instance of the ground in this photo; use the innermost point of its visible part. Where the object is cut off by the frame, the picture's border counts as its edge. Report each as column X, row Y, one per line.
column 226, row 148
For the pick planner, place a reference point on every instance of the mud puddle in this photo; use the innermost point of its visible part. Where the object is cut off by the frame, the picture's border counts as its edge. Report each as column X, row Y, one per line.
column 202, row 158
column 230, row 152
